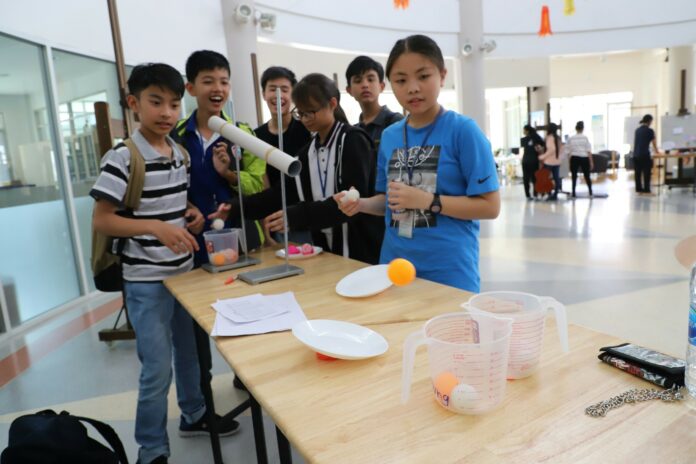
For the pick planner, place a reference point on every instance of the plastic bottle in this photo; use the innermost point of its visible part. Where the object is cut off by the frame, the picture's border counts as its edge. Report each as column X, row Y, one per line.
column 690, row 373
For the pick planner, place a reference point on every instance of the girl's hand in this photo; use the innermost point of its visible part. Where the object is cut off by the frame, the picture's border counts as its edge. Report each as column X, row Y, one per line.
column 350, row 207
column 221, row 160
column 270, row 241
column 402, row 196
column 222, row 212
column 275, row 222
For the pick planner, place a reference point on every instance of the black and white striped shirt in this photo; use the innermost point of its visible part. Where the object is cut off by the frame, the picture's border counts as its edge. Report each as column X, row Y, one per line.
column 144, row 257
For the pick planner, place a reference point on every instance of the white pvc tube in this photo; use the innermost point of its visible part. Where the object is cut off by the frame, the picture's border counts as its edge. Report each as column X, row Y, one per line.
column 270, row 154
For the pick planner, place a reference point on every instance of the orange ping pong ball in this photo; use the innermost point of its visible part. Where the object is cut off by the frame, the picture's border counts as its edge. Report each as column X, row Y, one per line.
column 401, row 272
column 445, row 383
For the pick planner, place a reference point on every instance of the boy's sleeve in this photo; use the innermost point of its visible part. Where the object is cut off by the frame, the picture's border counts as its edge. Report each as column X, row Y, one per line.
column 476, row 160
column 112, row 182
column 252, row 169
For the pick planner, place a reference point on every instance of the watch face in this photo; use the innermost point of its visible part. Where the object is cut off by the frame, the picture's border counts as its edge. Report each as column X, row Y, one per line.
column 435, row 209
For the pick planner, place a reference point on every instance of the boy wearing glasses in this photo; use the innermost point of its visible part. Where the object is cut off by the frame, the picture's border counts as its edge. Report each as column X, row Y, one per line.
column 365, row 78
column 295, row 136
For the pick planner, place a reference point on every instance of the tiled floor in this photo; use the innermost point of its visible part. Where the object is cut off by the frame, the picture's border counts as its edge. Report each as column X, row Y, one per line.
column 609, row 260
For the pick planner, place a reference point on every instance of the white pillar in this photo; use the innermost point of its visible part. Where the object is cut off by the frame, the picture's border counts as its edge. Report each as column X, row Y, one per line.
column 471, row 89
column 680, row 58
column 241, row 43
column 538, row 101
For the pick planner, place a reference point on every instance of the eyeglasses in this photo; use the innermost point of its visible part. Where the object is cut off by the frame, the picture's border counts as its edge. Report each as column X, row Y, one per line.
column 308, row 115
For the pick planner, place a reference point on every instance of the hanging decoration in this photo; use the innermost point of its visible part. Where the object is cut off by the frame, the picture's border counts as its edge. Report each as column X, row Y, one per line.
column 569, row 8
column 545, row 28
column 403, row 4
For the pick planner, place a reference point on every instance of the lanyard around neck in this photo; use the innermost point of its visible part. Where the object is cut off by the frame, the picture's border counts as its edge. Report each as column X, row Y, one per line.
column 323, row 180
column 411, row 160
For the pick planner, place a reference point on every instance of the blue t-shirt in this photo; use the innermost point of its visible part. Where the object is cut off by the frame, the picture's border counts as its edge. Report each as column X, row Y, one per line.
column 457, row 161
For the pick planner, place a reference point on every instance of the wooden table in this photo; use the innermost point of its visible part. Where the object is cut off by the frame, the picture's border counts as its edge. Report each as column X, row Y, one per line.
column 680, row 179
column 316, row 294
column 350, row 411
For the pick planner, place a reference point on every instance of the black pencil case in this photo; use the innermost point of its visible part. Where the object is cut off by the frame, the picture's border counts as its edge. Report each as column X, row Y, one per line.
column 658, row 368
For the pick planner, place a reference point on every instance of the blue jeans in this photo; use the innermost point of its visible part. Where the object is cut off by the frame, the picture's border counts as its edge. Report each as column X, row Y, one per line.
column 163, row 329
column 556, row 173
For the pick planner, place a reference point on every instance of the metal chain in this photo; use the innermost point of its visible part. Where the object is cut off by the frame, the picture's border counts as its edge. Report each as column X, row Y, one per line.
column 634, row 396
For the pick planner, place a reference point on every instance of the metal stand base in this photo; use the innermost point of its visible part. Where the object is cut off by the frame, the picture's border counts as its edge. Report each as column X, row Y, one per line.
column 244, row 261
column 270, row 273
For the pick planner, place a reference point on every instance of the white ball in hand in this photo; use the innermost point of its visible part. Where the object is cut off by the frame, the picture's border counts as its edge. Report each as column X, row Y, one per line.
column 217, row 224
column 350, row 195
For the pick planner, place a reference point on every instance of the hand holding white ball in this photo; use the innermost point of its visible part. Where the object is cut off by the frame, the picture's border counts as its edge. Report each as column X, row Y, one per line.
column 217, row 224
column 350, row 195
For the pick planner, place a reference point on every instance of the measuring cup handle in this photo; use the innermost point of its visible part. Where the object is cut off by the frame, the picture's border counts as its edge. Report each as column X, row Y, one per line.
column 411, row 344
column 561, row 319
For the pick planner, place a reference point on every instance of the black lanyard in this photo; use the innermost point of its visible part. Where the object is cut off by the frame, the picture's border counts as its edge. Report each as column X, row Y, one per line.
column 409, row 165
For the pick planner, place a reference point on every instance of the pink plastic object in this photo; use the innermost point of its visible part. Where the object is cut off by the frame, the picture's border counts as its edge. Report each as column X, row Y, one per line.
column 307, row 249
column 293, row 250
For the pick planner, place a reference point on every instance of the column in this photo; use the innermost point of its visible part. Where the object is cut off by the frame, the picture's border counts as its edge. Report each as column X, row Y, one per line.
column 539, row 101
column 681, row 58
column 470, row 85
column 240, row 38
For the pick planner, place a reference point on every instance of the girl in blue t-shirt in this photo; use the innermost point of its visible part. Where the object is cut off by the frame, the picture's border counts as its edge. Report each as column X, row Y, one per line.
column 435, row 174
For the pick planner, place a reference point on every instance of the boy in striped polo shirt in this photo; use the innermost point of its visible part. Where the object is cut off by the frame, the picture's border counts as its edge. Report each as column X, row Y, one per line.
column 158, row 243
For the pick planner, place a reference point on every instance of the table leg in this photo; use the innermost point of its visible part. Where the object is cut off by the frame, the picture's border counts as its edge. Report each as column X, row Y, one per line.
column 205, row 362
column 259, row 434
column 283, row 448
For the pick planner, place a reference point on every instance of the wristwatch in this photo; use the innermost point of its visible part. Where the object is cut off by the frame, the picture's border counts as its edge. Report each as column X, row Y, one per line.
column 435, row 206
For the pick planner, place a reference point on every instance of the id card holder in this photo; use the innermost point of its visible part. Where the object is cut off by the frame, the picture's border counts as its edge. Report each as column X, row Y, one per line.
column 406, row 224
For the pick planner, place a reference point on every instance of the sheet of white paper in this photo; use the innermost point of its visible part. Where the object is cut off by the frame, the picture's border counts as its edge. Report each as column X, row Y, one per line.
column 248, row 308
column 294, row 315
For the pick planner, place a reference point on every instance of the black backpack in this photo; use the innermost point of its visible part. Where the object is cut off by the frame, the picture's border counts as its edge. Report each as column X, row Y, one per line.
column 50, row 438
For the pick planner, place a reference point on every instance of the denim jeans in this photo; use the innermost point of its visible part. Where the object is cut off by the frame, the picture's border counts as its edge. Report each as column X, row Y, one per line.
column 163, row 330
column 555, row 172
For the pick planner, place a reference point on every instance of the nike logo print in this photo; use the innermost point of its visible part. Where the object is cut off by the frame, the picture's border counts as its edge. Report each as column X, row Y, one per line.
column 481, row 181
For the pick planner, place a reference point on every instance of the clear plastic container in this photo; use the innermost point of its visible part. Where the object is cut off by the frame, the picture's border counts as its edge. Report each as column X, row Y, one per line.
column 528, row 313
column 468, row 358
column 222, row 246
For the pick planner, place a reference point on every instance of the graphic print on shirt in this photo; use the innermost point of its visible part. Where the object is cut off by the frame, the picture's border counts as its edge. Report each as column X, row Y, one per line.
column 418, row 169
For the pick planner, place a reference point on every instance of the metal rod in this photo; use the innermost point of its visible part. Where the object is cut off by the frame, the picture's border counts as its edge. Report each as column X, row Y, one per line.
column 205, row 363
column 282, row 176
column 237, row 159
column 284, row 450
column 259, row 434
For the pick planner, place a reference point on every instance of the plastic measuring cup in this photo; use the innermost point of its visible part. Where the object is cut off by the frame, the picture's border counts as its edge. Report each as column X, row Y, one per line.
column 468, row 358
column 528, row 313
column 222, row 246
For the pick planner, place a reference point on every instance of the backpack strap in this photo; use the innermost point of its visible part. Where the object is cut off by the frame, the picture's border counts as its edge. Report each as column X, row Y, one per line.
column 185, row 154
column 136, row 180
column 107, row 432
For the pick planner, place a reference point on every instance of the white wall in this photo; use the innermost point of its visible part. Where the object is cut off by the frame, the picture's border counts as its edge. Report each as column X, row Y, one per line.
column 640, row 72
column 153, row 30
column 597, row 26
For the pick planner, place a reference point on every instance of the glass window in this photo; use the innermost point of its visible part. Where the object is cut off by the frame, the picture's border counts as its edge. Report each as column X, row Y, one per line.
column 37, row 265
column 82, row 82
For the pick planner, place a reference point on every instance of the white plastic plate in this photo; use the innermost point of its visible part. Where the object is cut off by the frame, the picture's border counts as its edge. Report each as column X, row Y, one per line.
column 364, row 282
column 281, row 254
column 338, row 339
